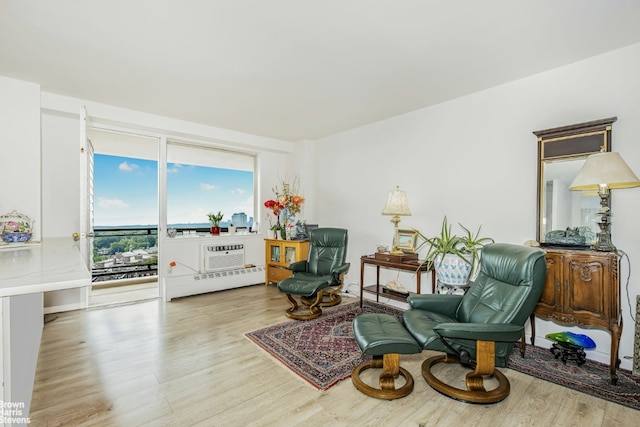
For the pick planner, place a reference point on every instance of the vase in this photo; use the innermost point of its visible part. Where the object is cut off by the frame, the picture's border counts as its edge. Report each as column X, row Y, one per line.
column 215, row 231
column 283, row 233
column 452, row 270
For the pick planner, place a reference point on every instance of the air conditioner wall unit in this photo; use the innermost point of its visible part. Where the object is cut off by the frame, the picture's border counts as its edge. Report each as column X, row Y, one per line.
column 216, row 257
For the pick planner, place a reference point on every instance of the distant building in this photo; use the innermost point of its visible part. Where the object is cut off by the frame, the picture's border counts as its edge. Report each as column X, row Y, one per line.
column 239, row 219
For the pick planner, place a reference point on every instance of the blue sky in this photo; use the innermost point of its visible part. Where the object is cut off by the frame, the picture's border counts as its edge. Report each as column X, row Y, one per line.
column 125, row 192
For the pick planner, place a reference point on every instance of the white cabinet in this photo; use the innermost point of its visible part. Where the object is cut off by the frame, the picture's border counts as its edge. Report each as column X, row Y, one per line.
column 183, row 269
column 25, row 273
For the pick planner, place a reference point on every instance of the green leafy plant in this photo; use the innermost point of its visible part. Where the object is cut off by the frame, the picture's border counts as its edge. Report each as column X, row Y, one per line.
column 215, row 218
column 464, row 247
column 473, row 243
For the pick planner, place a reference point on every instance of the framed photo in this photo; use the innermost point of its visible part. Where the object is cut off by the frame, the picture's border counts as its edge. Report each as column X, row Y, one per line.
column 405, row 240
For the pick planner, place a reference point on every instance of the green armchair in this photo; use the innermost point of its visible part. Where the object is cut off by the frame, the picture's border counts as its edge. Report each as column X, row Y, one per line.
column 479, row 329
column 318, row 279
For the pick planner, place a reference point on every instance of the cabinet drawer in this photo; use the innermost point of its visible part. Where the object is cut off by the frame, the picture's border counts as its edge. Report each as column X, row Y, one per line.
column 277, row 274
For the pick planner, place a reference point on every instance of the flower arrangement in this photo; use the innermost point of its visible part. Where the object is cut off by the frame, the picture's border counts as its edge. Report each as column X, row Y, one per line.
column 285, row 205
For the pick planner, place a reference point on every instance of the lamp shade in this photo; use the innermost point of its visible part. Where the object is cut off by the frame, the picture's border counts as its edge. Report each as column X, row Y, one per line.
column 604, row 169
column 397, row 203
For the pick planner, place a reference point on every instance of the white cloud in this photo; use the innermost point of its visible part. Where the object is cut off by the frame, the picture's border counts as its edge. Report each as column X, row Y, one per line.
column 124, row 166
column 103, row 202
column 207, row 187
column 175, row 168
column 238, row 191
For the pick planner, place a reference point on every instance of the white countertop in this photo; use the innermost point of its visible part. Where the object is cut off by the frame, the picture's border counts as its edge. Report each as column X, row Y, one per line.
column 52, row 265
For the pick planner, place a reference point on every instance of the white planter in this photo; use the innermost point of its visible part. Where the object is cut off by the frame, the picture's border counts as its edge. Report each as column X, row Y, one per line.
column 451, row 270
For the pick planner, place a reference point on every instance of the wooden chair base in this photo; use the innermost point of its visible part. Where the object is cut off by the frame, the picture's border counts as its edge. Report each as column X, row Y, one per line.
column 329, row 299
column 390, row 364
column 299, row 313
column 475, row 392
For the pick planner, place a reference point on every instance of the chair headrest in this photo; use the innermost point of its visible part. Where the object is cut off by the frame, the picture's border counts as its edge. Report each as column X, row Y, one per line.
column 328, row 237
column 510, row 263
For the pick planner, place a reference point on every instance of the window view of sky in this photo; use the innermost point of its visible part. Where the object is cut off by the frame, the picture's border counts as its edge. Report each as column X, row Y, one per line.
column 126, row 192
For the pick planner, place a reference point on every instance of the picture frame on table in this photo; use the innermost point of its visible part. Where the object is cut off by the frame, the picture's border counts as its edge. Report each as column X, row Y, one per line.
column 405, row 240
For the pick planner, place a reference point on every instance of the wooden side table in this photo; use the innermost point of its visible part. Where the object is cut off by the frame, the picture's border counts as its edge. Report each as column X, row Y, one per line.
column 377, row 289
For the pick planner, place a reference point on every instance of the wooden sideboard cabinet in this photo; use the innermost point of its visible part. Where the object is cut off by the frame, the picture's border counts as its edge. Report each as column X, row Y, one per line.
column 583, row 288
column 279, row 254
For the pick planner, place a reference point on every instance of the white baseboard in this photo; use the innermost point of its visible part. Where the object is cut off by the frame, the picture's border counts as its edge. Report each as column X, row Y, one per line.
column 65, row 307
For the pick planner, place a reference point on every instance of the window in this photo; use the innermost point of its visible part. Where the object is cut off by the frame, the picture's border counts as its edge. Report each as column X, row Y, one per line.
column 202, row 180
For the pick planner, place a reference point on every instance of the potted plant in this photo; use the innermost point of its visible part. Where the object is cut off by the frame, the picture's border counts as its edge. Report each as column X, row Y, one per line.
column 455, row 258
column 215, row 222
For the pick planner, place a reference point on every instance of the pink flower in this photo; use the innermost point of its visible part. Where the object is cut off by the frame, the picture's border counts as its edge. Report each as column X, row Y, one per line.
column 11, row 226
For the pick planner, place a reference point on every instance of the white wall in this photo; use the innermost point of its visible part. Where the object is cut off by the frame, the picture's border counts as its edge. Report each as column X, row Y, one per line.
column 61, row 175
column 20, row 150
column 473, row 159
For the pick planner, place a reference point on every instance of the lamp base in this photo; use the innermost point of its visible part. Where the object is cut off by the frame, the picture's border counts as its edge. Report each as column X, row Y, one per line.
column 603, row 243
column 603, row 237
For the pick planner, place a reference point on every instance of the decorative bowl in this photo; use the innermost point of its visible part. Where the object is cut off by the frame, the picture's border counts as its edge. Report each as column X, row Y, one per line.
column 16, row 237
column 15, row 222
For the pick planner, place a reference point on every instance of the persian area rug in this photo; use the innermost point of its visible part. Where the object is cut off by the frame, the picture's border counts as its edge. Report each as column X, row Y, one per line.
column 592, row 377
column 322, row 351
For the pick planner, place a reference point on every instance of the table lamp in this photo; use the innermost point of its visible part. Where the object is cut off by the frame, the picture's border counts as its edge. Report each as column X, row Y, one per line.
column 602, row 172
column 396, row 206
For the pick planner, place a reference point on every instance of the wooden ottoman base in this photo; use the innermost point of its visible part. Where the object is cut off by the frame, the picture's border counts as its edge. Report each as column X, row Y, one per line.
column 475, row 392
column 390, row 364
column 384, row 338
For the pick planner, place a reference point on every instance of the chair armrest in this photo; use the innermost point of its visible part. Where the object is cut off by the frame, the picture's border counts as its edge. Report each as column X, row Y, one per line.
column 298, row 266
column 502, row 332
column 342, row 269
column 443, row 304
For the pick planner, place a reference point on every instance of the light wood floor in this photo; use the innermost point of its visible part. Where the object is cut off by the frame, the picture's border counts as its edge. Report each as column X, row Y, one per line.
column 188, row 363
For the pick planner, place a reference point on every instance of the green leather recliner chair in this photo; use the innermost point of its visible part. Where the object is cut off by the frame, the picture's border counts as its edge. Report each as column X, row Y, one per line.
column 318, row 279
column 479, row 329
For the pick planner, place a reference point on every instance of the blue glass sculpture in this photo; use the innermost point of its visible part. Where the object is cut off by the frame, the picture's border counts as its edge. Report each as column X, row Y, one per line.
column 567, row 339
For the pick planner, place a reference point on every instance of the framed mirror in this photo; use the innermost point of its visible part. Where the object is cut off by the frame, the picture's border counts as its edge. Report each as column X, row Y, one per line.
column 566, row 217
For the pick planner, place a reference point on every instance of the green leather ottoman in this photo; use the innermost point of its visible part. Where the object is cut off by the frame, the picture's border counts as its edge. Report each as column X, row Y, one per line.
column 384, row 337
column 305, row 289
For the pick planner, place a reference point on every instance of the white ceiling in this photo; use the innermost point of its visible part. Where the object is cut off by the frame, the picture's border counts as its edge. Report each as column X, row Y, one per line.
column 296, row 69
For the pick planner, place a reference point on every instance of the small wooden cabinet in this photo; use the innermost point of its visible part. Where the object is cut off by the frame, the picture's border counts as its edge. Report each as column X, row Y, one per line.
column 583, row 288
column 279, row 254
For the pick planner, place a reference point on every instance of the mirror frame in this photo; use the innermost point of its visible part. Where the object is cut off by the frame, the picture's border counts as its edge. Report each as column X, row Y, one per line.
column 576, row 142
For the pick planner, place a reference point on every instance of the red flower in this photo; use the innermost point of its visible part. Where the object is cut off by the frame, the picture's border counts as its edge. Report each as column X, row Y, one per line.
column 274, row 205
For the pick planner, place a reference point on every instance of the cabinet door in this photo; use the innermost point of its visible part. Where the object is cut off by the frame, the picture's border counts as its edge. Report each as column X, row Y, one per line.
column 550, row 300
column 290, row 254
column 275, row 253
column 587, row 291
